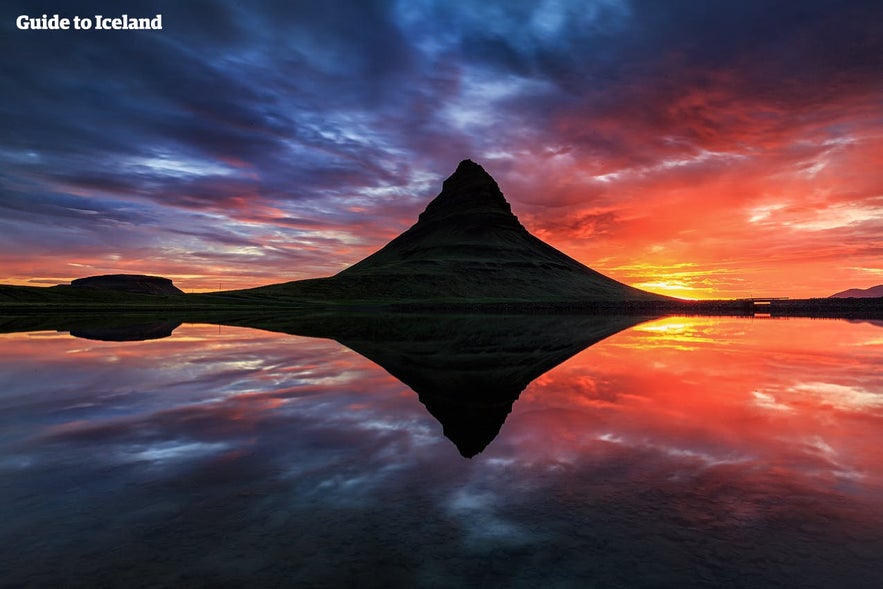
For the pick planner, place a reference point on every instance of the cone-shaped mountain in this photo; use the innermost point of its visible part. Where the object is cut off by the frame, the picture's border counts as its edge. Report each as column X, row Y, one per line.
column 466, row 246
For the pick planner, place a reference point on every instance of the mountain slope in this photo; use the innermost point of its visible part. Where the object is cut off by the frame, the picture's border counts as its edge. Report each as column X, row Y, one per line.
column 466, row 246
column 859, row 293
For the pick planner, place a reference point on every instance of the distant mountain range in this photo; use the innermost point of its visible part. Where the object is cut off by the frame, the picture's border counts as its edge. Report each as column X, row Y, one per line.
column 858, row 293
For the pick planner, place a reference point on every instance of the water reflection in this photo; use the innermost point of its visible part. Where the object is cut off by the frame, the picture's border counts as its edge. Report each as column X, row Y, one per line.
column 127, row 333
column 469, row 370
column 681, row 452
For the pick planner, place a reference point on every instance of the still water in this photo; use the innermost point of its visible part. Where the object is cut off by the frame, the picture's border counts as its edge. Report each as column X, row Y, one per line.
column 675, row 452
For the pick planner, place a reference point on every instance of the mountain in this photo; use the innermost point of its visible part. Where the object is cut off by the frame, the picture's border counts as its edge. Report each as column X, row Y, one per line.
column 466, row 246
column 132, row 283
column 858, row 293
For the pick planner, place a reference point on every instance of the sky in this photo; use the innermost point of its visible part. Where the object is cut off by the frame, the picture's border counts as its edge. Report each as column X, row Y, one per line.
column 692, row 148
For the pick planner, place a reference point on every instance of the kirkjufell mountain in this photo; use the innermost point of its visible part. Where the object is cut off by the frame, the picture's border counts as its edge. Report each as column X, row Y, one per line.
column 466, row 245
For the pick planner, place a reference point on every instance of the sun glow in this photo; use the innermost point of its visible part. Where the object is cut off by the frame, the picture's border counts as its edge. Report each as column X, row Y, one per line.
column 677, row 289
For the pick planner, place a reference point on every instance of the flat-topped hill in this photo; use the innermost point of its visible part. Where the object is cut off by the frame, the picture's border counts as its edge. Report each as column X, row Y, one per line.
column 134, row 283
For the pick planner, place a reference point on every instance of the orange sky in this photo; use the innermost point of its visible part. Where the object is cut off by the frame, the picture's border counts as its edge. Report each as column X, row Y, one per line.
column 801, row 219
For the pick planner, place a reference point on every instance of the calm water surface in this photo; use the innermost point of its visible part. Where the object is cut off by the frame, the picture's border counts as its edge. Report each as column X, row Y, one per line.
column 680, row 452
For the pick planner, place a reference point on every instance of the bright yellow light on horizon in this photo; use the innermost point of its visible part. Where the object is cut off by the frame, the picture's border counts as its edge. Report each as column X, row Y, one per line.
column 683, row 280
column 672, row 289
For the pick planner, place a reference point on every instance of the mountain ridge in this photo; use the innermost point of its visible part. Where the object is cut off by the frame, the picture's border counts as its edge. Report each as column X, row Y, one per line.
column 859, row 293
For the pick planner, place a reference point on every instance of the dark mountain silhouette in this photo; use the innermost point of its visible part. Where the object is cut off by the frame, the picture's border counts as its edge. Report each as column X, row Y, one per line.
column 131, row 283
column 858, row 293
column 466, row 246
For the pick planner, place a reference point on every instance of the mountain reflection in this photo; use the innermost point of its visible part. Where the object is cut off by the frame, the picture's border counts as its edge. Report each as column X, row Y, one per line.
column 467, row 370
column 128, row 333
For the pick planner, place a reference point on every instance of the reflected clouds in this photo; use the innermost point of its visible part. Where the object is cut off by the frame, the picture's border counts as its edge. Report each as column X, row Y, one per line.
column 754, row 446
column 751, row 394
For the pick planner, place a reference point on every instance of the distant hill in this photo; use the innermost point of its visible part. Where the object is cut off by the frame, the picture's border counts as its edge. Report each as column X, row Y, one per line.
column 858, row 293
column 118, row 290
column 133, row 283
column 65, row 295
column 466, row 246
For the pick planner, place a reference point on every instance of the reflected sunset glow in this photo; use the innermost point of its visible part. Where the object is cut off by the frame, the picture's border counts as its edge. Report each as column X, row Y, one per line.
column 683, row 448
column 767, row 400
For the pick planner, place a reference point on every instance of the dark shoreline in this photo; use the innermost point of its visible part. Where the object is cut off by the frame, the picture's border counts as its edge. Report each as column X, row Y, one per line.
column 822, row 308
column 204, row 305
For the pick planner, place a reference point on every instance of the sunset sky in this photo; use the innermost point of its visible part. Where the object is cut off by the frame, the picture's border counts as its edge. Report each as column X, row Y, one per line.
column 695, row 148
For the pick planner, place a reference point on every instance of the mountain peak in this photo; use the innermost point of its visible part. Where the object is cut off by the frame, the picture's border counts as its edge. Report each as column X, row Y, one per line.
column 470, row 189
column 468, row 246
column 470, row 172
